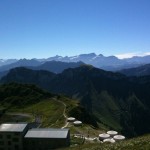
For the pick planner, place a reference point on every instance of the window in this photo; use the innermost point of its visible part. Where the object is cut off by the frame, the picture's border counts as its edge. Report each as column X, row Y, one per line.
column 9, row 142
column 1, row 142
column 16, row 133
column 33, row 143
column 8, row 136
column 16, row 147
column 15, row 139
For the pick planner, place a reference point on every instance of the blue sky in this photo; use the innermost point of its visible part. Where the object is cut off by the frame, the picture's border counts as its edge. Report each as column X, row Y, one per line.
column 44, row 28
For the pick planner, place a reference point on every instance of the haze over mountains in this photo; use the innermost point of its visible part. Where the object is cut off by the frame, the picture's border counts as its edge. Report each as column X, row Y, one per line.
column 53, row 66
column 7, row 61
column 110, row 63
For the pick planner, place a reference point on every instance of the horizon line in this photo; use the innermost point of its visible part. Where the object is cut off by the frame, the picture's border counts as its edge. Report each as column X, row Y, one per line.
column 119, row 56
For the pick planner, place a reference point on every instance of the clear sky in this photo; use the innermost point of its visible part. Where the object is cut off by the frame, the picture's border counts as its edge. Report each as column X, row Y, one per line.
column 44, row 28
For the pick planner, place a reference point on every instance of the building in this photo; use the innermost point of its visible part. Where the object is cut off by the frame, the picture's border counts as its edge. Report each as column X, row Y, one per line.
column 46, row 139
column 11, row 136
column 18, row 136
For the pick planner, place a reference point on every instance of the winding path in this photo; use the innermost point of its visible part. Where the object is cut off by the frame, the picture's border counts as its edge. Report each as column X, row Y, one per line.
column 64, row 114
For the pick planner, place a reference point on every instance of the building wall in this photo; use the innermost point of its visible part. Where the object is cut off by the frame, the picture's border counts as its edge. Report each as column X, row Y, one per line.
column 45, row 143
column 12, row 140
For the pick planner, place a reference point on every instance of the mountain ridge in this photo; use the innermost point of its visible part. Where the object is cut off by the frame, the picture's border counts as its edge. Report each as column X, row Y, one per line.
column 52, row 66
column 110, row 63
column 113, row 98
column 143, row 70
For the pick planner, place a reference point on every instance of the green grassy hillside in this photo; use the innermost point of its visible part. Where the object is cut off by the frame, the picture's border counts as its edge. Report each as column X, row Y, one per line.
column 139, row 143
column 25, row 102
column 20, row 95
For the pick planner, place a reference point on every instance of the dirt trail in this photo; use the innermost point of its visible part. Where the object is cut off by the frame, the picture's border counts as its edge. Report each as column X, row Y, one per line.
column 64, row 114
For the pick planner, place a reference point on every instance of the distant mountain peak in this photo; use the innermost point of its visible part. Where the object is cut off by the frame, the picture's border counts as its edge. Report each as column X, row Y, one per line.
column 90, row 54
column 100, row 55
column 112, row 57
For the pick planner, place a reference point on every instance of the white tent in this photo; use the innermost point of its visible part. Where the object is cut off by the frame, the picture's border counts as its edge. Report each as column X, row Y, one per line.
column 119, row 137
column 77, row 123
column 112, row 133
column 104, row 136
column 71, row 119
column 109, row 140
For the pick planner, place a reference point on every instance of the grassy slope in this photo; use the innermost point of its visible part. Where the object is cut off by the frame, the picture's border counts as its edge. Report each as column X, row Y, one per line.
column 50, row 110
column 32, row 101
column 140, row 143
column 26, row 102
column 35, row 102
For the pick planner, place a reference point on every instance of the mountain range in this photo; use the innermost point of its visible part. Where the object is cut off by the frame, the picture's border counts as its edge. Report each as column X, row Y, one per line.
column 110, row 63
column 7, row 61
column 117, row 101
column 52, row 66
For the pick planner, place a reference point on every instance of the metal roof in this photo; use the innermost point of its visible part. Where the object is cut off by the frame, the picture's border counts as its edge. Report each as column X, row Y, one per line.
column 12, row 127
column 47, row 133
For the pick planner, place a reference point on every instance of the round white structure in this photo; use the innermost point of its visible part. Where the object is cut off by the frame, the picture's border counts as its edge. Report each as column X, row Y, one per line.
column 77, row 123
column 104, row 136
column 71, row 119
column 109, row 140
column 119, row 137
column 112, row 133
